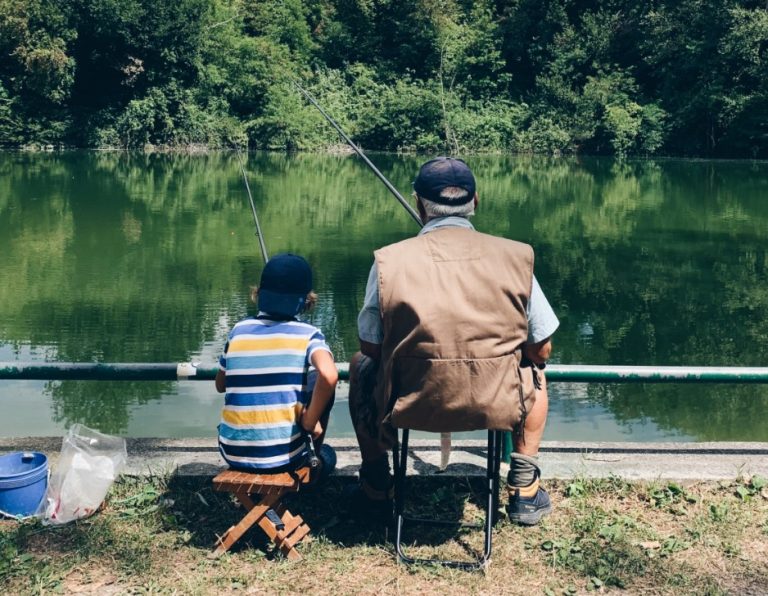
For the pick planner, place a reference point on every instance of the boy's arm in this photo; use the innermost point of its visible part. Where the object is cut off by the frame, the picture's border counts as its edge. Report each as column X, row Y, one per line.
column 327, row 377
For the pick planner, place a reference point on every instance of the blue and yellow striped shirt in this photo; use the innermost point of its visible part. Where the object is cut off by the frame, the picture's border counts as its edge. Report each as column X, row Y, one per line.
column 269, row 379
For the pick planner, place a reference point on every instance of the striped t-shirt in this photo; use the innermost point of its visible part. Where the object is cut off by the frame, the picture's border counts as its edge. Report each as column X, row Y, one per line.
column 269, row 379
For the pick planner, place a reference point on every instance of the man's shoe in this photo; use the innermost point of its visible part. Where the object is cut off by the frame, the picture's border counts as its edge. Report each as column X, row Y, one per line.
column 365, row 502
column 527, row 505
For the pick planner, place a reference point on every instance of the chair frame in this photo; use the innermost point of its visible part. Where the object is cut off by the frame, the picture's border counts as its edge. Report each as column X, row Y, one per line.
column 493, row 465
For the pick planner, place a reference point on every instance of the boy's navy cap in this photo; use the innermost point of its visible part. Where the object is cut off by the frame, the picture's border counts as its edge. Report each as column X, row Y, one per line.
column 285, row 282
column 440, row 173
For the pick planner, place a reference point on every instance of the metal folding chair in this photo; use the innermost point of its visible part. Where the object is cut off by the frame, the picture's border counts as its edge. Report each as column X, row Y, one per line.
column 493, row 464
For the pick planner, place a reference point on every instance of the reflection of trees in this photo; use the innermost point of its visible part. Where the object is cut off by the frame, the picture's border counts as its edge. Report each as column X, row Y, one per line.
column 122, row 257
column 103, row 405
column 664, row 263
column 707, row 412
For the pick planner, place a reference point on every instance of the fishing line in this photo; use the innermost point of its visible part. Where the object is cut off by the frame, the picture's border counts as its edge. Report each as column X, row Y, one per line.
column 313, row 461
column 259, row 235
column 411, row 211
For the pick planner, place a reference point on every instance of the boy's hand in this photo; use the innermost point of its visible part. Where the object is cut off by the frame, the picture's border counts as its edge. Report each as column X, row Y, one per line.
column 316, row 430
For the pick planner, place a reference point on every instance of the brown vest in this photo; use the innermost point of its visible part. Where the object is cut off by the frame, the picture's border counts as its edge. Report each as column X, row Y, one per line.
column 453, row 304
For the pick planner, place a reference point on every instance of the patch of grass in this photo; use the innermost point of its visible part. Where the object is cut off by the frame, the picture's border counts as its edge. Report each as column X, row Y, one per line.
column 153, row 535
column 583, row 487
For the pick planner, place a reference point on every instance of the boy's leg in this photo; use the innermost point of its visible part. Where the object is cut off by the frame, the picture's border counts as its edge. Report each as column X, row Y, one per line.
column 375, row 477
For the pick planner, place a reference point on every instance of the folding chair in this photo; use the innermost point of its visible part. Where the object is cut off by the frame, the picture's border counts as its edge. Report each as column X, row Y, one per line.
column 280, row 525
column 493, row 464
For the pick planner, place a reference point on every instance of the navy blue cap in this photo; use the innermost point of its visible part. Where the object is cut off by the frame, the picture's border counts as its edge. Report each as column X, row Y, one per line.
column 285, row 282
column 440, row 173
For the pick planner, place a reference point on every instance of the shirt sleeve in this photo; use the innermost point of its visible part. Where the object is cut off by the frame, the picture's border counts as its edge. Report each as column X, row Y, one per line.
column 369, row 326
column 542, row 320
column 317, row 342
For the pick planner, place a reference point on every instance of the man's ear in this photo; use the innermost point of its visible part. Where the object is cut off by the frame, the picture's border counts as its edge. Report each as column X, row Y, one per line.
column 477, row 199
column 422, row 211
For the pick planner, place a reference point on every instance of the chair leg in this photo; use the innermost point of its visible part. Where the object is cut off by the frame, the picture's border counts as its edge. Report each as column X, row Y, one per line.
column 493, row 466
column 497, row 472
column 286, row 539
column 400, row 464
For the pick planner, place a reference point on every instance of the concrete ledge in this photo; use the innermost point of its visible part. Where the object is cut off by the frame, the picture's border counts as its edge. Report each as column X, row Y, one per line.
column 631, row 461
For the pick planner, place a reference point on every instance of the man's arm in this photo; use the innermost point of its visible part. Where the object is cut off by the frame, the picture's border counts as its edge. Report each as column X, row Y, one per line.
column 542, row 323
column 221, row 381
column 539, row 352
column 369, row 330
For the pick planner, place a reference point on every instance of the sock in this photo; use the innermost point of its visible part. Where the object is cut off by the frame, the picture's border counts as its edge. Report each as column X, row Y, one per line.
column 523, row 470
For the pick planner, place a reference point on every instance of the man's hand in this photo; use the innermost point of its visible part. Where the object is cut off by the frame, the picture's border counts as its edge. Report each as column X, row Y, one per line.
column 538, row 353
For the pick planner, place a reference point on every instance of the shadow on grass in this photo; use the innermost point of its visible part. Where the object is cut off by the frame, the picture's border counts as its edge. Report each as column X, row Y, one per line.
column 205, row 514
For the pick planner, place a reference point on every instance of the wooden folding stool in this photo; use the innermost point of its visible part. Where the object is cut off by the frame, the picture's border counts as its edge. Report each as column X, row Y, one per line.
column 283, row 528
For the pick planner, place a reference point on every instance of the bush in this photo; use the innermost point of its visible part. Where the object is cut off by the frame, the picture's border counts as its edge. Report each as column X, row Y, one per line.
column 490, row 126
column 544, row 136
column 407, row 117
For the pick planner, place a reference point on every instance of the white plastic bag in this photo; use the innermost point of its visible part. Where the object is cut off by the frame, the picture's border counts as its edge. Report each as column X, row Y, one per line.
column 88, row 465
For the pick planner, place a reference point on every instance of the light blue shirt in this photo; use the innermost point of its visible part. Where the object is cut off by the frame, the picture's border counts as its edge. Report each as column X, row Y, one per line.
column 542, row 321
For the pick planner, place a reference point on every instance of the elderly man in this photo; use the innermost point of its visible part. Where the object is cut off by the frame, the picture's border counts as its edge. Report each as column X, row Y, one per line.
column 453, row 333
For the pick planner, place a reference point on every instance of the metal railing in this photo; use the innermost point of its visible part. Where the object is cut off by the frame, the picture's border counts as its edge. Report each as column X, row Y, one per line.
column 187, row 371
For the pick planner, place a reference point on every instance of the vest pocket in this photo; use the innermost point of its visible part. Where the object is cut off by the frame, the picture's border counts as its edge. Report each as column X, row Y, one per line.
column 456, row 395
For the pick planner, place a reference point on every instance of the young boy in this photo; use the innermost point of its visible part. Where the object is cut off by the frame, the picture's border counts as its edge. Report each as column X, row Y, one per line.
column 279, row 377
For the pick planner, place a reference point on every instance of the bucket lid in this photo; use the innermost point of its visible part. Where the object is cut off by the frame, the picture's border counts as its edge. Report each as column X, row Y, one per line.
column 20, row 464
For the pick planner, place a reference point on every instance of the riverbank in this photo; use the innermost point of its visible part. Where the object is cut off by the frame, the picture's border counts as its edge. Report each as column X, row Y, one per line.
column 563, row 460
column 605, row 535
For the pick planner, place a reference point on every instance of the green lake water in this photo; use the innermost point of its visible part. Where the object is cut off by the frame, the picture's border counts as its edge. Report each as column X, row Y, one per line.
column 115, row 257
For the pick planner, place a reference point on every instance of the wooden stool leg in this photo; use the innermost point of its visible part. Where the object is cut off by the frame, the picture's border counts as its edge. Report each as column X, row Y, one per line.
column 255, row 514
column 294, row 532
column 295, row 529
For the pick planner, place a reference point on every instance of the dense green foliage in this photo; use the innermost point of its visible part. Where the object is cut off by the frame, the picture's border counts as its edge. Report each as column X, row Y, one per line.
column 595, row 76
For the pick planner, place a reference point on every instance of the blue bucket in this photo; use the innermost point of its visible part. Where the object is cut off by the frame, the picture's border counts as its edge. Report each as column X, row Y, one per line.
column 23, row 482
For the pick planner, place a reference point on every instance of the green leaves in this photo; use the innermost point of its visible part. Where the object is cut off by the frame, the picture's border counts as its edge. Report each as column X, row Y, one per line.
column 671, row 497
column 527, row 77
column 751, row 488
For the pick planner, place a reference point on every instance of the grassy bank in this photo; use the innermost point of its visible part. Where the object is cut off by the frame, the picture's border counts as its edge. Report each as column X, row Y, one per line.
column 605, row 535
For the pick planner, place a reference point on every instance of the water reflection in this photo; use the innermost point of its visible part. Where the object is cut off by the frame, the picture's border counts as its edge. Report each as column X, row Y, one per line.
column 128, row 257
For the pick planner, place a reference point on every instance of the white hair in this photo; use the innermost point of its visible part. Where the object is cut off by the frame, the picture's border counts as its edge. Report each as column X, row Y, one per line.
column 433, row 209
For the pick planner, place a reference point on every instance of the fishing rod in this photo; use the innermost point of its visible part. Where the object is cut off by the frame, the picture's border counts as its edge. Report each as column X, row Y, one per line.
column 259, row 235
column 411, row 211
column 312, row 459
column 445, row 438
